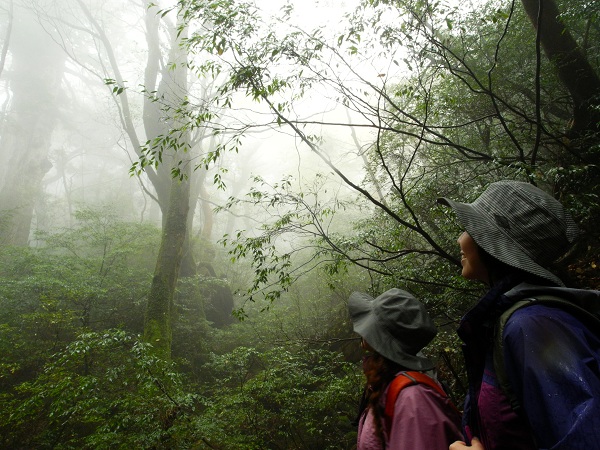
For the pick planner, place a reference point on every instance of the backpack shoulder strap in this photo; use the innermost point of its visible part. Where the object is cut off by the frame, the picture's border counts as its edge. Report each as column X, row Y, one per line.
column 498, row 353
column 580, row 313
column 403, row 380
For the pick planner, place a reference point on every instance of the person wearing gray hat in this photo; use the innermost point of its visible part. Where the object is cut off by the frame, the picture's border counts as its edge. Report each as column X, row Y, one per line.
column 532, row 353
column 402, row 407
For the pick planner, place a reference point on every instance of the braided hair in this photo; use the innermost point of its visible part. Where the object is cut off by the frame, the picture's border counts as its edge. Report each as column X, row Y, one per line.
column 379, row 372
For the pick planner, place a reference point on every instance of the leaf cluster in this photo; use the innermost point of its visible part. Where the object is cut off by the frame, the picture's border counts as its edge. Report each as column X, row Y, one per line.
column 280, row 399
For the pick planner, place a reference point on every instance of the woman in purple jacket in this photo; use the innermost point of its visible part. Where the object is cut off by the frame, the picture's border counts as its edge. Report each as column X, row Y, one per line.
column 551, row 358
column 394, row 328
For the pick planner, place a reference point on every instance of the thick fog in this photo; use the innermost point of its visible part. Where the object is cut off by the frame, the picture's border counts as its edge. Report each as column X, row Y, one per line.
column 69, row 140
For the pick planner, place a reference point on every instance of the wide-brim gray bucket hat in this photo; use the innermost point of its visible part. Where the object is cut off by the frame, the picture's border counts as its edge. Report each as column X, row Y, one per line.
column 395, row 324
column 518, row 224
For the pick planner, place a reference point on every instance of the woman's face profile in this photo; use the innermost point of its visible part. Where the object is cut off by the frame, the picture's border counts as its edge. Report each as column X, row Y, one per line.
column 470, row 259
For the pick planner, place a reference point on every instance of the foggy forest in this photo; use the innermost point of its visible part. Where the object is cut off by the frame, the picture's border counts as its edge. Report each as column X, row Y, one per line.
column 191, row 190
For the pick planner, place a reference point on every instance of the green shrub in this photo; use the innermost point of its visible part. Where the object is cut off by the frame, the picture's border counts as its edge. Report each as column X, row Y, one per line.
column 280, row 399
column 104, row 391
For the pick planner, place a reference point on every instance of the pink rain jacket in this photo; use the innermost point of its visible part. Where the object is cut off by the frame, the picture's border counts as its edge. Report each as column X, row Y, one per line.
column 423, row 419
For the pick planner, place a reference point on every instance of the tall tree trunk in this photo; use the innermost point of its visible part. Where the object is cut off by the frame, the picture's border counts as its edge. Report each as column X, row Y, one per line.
column 188, row 265
column 6, row 42
column 159, row 312
column 573, row 68
column 25, row 141
column 154, row 126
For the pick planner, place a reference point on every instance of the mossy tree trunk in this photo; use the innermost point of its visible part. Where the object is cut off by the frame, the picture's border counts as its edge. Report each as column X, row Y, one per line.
column 159, row 312
column 160, row 308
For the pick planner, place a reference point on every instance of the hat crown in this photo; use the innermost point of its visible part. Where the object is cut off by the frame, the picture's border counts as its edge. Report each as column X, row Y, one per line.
column 395, row 324
column 531, row 218
column 405, row 319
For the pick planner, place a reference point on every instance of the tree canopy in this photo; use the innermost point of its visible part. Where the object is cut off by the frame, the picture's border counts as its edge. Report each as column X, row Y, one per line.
column 453, row 99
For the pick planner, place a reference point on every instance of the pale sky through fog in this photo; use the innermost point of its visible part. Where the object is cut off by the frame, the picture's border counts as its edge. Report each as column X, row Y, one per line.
column 281, row 147
column 311, row 14
column 321, row 104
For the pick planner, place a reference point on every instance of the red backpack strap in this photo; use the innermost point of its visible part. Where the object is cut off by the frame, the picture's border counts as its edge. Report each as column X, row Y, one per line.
column 401, row 381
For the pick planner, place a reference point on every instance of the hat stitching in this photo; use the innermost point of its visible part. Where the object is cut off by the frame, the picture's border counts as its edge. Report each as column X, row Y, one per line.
column 539, row 222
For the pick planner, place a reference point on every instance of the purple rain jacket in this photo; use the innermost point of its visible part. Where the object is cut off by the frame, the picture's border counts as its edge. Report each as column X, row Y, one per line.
column 552, row 362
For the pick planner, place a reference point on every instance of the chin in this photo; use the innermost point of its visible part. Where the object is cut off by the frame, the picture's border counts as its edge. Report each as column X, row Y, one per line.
column 469, row 275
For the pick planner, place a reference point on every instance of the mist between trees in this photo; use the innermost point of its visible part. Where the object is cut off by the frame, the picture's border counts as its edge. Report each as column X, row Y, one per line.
column 190, row 191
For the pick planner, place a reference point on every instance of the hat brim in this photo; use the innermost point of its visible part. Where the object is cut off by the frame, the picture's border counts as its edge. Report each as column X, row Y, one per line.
column 366, row 324
column 494, row 241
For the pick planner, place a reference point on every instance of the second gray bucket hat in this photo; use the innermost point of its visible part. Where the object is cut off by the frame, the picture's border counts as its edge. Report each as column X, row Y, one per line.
column 395, row 324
